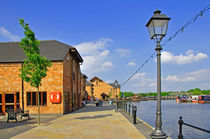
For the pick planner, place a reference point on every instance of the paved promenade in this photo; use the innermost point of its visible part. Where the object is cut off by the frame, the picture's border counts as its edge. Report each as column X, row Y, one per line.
column 90, row 122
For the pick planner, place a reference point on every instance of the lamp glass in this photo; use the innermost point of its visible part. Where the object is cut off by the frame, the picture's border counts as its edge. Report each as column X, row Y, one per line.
column 158, row 28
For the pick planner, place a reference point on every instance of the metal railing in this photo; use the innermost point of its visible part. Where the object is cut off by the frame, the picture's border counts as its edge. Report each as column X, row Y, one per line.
column 128, row 108
column 181, row 122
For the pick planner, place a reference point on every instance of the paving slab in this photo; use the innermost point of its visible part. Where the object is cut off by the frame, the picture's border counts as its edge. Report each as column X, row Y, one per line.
column 90, row 122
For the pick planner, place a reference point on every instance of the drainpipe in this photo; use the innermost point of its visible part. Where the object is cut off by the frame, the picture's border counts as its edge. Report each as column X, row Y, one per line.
column 22, row 89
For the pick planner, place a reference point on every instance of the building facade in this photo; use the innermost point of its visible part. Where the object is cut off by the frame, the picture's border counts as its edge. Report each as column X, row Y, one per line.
column 103, row 90
column 89, row 89
column 64, row 76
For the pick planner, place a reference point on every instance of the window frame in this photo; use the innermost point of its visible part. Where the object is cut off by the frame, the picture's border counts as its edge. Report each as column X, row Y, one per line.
column 42, row 102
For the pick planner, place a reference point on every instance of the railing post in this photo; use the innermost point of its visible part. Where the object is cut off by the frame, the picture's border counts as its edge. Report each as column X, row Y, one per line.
column 180, row 122
column 129, row 108
column 132, row 110
column 126, row 107
column 134, row 114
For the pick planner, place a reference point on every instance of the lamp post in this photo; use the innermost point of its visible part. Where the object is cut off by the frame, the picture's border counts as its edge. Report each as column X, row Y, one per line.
column 115, row 86
column 157, row 27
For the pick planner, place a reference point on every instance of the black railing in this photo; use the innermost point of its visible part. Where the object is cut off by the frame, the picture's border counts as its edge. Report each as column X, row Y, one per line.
column 128, row 108
column 181, row 122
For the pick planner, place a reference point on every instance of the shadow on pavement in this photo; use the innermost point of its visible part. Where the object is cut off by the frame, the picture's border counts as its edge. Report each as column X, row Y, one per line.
column 13, row 123
column 13, row 128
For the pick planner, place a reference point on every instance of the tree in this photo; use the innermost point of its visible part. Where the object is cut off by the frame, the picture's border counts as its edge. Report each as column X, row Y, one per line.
column 35, row 66
column 121, row 94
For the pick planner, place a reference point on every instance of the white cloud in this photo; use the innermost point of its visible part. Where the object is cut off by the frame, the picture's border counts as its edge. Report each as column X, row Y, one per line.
column 172, row 78
column 123, row 52
column 92, row 48
column 189, row 57
column 199, row 75
column 96, row 57
column 131, row 64
column 104, row 53
column 185, row 81
column 8, row 34
column 138, row 76
column 107, row 64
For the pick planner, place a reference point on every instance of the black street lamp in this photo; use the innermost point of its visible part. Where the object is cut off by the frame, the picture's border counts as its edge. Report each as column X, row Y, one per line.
column 157, row 27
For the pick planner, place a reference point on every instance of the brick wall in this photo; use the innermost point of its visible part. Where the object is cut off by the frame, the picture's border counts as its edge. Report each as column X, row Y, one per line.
column 59, row 78
column 52, row 82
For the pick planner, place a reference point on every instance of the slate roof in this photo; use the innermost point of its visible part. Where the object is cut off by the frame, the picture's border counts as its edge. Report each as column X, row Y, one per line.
column 52, row 49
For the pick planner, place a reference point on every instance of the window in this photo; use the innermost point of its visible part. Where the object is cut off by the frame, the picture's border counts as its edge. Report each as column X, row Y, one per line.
column 28, row 98
column 33, row 100
column 17, row 97
column 9, row 98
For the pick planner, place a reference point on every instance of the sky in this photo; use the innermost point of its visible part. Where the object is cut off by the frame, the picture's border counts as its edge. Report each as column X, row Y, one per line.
column 113, row 41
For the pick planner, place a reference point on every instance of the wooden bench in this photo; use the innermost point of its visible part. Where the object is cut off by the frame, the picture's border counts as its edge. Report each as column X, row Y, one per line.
column 12, row 114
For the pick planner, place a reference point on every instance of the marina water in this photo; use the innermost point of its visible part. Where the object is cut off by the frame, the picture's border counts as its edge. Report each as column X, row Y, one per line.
column 194, row 114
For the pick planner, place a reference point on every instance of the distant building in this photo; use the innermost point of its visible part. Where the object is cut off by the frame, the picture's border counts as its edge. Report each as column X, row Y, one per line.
column 83, row 87
column 103, row 90
column 64, row 76
column 89, row 89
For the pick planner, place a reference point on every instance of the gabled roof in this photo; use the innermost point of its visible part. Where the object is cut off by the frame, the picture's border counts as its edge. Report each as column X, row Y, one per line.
column 111, row 84
column 52, row 49
column 95, row 78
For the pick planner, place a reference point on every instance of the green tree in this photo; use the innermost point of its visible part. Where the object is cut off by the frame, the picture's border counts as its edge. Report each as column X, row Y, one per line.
column 121, row 94
column 35, row 66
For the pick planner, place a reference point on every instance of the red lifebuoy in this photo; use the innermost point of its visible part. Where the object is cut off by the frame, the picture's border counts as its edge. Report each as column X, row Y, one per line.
column 55, row 97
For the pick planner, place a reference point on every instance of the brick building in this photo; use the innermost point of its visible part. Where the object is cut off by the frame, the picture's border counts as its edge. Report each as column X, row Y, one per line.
column 103, row 90
column 63, row 76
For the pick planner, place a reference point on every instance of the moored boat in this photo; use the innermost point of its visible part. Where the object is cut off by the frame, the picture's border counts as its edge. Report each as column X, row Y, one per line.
column 194, row 99
column 204, row 99
column 183, row 99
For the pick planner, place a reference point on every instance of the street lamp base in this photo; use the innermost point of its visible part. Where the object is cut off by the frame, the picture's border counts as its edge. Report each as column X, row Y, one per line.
column 158, row 134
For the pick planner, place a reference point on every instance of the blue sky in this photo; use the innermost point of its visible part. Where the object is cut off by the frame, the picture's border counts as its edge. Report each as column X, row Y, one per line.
column 112, row 38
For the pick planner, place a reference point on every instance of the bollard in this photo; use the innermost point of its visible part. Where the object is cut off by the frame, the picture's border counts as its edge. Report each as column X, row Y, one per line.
column 180, row 122
column 132, row 110
column 129, row 108
column 116, row 108
column 134, row 114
